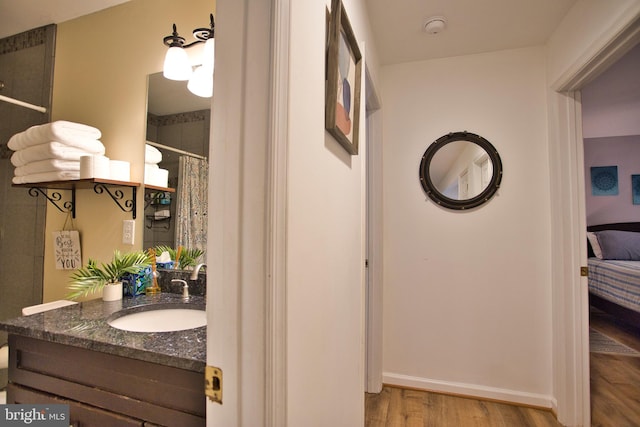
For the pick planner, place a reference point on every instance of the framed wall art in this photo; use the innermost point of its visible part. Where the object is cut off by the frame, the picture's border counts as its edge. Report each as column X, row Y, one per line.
column 343, row 80
column 635, row 189
column 604, row 180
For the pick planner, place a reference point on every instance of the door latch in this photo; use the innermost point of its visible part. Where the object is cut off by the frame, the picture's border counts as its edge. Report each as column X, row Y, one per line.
column 213, row 383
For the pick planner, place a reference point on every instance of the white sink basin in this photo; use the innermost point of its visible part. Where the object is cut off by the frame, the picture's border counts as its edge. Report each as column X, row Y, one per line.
column 160, row 320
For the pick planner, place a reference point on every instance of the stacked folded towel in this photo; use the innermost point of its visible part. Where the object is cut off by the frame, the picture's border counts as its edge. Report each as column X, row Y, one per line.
column 153, row 174
column 52, row 151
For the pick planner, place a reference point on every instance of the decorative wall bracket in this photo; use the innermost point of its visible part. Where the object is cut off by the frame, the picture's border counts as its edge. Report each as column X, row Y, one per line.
column 117, row 195
column 99, row 186
column 55, row 197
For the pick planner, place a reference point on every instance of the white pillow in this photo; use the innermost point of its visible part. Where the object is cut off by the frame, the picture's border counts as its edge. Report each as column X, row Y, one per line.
column 595, row 245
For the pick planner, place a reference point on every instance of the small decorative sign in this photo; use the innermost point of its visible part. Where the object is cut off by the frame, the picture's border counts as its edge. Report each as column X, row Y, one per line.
column 68, row 254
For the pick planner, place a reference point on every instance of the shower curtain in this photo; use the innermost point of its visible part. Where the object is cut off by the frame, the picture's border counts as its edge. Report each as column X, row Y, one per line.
column 191, row 208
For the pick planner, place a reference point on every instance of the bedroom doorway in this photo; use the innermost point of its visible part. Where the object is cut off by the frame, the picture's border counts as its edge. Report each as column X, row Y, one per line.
column 568, row 215
column 611, row 147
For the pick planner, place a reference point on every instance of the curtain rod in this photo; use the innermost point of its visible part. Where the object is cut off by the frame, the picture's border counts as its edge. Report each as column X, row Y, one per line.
column 23, row 104
column 175, row 150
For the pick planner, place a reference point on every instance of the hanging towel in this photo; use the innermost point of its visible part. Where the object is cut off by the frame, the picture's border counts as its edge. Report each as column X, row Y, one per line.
column 53, row 150
column 46, row 177
column 69, row 133
column 49, row 165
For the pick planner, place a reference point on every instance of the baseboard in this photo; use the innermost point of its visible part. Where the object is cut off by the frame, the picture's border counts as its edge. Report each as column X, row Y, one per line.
column 554, row 407
column 469, row 390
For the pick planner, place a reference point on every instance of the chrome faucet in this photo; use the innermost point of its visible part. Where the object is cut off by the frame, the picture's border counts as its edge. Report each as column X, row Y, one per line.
column 185, row 288
column 196, row 270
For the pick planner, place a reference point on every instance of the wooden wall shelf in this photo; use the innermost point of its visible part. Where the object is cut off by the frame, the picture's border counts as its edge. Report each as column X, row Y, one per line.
column 99, row 186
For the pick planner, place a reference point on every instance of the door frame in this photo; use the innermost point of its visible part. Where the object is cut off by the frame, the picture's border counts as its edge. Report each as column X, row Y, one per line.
column 240, row 251
column 568, row 221
column 374, row 242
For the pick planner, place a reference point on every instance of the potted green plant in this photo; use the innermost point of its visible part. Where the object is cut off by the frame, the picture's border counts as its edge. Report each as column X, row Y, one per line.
column 107, row 277
column 188, row 256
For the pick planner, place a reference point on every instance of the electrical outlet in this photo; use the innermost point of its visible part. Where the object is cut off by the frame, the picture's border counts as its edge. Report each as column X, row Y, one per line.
column 128, row 231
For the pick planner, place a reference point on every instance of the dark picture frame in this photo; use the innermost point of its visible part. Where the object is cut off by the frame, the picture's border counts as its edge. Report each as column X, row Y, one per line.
column 343, row 80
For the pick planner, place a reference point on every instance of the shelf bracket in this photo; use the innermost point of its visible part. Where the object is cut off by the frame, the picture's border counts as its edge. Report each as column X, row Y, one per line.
column 117, row 196
column 55, row 198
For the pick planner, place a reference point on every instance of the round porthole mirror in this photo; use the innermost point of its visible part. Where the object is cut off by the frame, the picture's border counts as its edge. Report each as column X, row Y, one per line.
column 460, row 170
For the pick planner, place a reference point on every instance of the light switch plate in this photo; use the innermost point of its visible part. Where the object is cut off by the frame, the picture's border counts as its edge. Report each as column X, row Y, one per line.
column 128, row 231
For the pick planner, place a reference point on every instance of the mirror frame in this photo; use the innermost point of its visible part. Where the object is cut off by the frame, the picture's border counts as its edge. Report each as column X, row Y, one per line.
column 447, row 202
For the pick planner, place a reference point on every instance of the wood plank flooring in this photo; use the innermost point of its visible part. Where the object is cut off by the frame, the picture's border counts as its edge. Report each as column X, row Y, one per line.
column 615, row 380
column 396, row 407
column 615, row 396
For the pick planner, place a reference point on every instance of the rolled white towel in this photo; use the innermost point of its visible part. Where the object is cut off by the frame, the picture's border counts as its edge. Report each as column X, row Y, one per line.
column 53, row 150
column 46, row 177
column 156, row 176
column 152, row 155
column 70, row 133
column 49, row 165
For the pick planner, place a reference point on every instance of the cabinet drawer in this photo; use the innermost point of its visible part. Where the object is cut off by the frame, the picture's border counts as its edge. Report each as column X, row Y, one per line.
column 142, row 390
column 80, row 415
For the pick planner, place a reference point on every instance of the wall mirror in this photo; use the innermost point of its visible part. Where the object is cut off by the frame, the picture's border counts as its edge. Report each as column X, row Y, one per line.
column 178, row 125
column 460, row 170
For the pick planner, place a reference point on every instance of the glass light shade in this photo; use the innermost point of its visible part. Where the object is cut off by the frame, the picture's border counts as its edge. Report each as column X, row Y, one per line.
column 176, row 64
column 208, row 53
column 201, row 82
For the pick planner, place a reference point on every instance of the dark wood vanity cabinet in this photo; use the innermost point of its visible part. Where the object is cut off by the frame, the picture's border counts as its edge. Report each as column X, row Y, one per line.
column 103, row 389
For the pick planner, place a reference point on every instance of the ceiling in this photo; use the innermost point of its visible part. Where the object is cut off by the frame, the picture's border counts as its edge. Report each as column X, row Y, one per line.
column 473, row 26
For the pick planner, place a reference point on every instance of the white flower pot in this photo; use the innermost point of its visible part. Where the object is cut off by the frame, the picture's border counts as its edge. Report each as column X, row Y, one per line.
column 112, row 292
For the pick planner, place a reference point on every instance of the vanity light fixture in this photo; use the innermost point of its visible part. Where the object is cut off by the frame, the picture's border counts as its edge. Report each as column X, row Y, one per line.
column 178, row 67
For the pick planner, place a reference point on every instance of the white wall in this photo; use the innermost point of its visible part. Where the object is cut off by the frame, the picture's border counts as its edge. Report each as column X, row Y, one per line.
column 623, row 152
column 467, row 294
column 325, row 252
column 587, row 28
column 611, row 132
column 611, row 103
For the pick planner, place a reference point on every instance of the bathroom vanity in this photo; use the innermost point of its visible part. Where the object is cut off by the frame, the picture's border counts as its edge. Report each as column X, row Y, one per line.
column 108, row 376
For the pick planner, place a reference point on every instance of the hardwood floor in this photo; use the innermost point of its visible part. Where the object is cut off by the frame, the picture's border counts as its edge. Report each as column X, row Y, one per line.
column 396, row 407
column 615, row 396
column 615, row 380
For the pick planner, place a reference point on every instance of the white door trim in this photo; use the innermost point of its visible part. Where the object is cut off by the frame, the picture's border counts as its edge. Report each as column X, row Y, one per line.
column 276, row 304
column 237, row 253
column 374, row 208
column 570, row 292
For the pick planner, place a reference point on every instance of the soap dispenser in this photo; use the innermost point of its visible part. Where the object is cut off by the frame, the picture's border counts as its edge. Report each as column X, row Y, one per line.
column 154, row 288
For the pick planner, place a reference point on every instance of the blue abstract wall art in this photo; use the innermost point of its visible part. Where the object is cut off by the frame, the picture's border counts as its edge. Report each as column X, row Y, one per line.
column 604, row 180
column 635, row 189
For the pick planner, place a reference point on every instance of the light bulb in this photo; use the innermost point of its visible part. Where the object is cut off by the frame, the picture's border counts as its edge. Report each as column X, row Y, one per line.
column 208, row 54
column 201, row 82
column 176, row 64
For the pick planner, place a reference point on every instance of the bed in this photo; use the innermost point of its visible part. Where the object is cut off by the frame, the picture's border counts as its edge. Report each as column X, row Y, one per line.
column 614, row 274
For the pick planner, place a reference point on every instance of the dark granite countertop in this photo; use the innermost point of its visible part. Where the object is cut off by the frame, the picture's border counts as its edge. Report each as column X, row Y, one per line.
column 85, row 325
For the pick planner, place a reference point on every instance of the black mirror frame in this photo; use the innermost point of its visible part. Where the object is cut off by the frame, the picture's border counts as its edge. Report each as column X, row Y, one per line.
column 441, row 199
